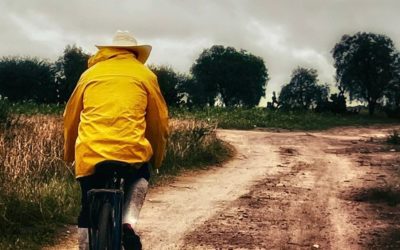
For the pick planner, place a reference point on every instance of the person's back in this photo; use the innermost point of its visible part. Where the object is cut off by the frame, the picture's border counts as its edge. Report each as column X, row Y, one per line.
column 116, row 112
column 115, row 102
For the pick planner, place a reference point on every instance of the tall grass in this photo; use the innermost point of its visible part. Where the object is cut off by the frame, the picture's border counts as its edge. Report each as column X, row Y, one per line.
column 38, row 191
column 192, row 144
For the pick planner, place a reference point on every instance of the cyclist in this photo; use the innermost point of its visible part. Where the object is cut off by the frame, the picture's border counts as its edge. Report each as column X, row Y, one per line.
column 116, row 112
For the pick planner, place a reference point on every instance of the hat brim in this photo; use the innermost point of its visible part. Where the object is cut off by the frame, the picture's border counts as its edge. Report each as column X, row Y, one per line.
column 142, row 51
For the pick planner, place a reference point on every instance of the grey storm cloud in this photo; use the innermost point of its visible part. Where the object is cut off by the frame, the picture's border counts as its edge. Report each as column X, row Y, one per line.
column 286, row 33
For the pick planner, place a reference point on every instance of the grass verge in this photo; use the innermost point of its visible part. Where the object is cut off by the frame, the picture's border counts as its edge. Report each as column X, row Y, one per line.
column 240, row 118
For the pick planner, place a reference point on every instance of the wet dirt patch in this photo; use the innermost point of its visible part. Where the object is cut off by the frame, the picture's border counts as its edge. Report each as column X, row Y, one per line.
column 363, row 147
column 386, row 195
column 377, row 224
column 285, row 151
column 388, row 238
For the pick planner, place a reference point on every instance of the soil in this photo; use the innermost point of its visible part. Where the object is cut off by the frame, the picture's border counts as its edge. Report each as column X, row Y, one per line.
column 333, row 189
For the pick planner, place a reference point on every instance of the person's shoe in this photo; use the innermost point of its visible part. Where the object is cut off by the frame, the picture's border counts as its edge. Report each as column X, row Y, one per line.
column 130, row 240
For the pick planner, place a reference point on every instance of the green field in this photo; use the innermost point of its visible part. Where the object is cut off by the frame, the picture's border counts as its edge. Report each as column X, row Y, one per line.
column 239, row 118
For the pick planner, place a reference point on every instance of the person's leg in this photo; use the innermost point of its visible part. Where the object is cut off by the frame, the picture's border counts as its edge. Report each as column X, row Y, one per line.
column 135, row 192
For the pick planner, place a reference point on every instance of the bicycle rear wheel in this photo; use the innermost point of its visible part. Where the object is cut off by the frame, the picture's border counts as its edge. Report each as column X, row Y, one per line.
column 104, row 236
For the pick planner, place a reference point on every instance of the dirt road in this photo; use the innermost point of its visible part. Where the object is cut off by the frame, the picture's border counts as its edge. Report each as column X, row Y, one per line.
column 336, row 189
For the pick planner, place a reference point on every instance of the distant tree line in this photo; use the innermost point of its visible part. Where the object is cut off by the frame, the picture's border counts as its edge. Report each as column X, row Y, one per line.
column 367, row 69
column 33, row 79
column 221, row 75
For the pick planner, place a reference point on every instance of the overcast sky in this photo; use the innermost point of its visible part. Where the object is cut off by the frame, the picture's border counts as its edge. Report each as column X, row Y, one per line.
column 285, row 33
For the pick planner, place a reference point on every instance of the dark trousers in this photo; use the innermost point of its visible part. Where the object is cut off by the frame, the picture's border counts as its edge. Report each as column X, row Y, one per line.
column 95, row 182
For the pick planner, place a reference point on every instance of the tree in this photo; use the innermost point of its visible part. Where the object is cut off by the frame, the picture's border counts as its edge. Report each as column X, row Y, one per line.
column 238, row 78
column 69, row 68
column 364, row 66
column 392, row 94
column 169, row 82
column 303, row 91
column 27, row 79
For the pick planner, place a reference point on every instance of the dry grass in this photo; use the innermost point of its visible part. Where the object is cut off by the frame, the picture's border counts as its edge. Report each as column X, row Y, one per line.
column 32, row 146
column 38, row 190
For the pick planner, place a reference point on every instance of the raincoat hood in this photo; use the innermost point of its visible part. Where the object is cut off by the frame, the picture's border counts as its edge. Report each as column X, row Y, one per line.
column 107, row 53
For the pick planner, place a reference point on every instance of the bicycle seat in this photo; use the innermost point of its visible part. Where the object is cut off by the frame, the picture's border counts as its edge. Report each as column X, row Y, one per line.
column 120, row 168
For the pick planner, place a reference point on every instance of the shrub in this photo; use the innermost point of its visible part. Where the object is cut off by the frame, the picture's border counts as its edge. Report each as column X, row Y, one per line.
column 192, row 144
column 393, row 112
column 394, row 137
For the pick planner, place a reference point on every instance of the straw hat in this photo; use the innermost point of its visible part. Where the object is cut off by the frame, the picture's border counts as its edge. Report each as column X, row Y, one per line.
column 124, row 39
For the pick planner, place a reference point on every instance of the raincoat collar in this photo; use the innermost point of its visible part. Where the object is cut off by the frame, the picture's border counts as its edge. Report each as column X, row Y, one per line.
column 107, row 53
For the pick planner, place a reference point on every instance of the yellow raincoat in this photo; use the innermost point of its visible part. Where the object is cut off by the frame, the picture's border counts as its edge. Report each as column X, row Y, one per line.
column 116, row 112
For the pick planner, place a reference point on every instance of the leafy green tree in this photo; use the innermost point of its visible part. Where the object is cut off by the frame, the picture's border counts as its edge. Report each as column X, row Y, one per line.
column 238, row 78
column 393, row 99
column 169, row 82
column 27, row 79
column 364, row 66
column 69, row 68
column 303, row 91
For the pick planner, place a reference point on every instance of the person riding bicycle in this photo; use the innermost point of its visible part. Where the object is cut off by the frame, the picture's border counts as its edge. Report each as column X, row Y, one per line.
column 116, row 112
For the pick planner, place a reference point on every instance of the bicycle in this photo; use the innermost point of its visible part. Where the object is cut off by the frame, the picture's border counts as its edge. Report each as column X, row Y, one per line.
column 105, row 216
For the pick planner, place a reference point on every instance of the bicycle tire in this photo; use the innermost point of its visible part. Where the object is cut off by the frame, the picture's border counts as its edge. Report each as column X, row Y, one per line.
column 104, row 236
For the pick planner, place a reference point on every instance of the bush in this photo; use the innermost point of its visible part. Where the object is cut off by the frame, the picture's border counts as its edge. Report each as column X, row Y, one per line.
column 393, row 112
column 394, row 137
column 192, row 144
column 24, row 78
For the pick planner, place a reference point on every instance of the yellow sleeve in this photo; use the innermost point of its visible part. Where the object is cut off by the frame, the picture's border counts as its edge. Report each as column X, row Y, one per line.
column 156, row 123
column 71, row 122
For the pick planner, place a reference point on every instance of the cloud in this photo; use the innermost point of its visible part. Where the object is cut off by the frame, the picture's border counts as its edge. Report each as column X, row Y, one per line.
column 285, row 33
